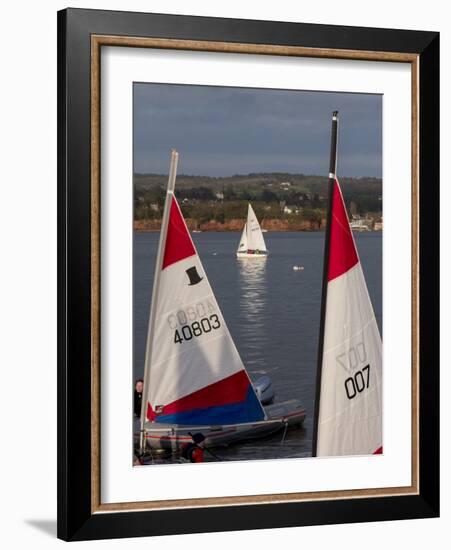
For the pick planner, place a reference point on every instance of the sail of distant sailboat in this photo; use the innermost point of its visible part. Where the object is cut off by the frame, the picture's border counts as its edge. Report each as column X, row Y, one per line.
column 252, row 244
column 348, row 416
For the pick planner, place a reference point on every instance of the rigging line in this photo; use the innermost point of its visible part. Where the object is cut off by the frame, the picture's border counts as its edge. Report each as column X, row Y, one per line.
column 284, row 433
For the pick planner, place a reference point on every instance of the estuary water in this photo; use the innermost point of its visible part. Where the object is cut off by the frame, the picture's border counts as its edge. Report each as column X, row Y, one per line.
column 272, row 312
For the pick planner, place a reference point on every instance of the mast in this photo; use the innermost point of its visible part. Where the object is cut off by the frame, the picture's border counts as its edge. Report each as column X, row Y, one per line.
column 332, row 176
column 153, row 305
column 248, row 227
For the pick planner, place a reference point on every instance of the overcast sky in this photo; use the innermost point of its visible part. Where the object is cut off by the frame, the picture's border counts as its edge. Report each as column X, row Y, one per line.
column 221, row 131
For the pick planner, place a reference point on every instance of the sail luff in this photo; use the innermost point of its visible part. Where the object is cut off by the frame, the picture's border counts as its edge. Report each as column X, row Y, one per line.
column 242, row 246
column 153, row 305
column 332, row 172
column 248, row 228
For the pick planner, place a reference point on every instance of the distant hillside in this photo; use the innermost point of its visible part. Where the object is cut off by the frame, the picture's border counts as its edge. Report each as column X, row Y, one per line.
column 255, row 183
column 292, row 198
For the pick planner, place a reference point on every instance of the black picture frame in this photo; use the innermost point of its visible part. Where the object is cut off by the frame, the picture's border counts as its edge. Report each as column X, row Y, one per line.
column 76, row 518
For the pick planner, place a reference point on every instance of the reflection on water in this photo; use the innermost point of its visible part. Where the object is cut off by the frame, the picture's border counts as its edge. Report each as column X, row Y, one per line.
column 253, row 308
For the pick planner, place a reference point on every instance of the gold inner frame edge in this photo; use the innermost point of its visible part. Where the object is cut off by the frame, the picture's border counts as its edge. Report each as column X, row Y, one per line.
column 97, row 41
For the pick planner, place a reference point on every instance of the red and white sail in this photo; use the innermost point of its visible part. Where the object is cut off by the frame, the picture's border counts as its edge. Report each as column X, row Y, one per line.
column 194, row 374
column 350, row 400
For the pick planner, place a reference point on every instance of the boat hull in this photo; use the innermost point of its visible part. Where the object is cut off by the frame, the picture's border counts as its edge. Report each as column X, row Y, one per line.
column 260, row 255
column 172, row 437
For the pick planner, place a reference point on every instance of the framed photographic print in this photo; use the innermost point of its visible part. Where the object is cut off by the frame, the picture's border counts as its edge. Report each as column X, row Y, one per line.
column 248, row 274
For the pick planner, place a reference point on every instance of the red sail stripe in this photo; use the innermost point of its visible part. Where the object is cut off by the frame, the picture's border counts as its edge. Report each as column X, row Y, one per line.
column 342, row 251
column 378, row 451
column 178, row 240
column 232, row 389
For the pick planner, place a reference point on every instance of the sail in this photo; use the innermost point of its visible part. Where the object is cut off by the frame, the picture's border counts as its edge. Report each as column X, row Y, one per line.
column 350, row 400
column 242, row 247
column 194, row 373
column 255, row 240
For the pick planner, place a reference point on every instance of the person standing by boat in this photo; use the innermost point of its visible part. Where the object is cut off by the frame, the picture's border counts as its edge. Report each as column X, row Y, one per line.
column 137, row 397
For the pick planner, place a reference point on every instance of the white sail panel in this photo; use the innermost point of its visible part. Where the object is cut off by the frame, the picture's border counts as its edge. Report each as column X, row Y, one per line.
column 195, row 374
column 255, row 240
column 243, row 246
column 350, row 411
column 351, row 383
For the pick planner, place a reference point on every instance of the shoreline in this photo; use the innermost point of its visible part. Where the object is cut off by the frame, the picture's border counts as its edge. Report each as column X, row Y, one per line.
column 236, row 226
column 272, row 231
column 269, row 231
column 239, row 231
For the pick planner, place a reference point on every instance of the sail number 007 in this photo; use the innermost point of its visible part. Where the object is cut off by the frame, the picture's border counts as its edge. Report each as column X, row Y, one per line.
column 357, row 383
column 350, row 360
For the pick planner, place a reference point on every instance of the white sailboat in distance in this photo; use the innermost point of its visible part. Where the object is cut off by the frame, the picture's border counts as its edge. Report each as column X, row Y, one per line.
column 252, row 244
column 348, row 412
column 194, row 378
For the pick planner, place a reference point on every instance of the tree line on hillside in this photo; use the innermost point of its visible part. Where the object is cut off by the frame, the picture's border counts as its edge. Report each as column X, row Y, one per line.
column 206, row 203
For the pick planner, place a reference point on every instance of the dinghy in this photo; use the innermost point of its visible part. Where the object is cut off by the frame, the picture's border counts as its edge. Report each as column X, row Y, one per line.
column 194, row 378
column 252, row 244
column 348, row 411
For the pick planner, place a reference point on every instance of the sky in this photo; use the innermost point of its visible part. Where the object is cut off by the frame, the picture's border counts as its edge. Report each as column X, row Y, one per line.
column 223, row 131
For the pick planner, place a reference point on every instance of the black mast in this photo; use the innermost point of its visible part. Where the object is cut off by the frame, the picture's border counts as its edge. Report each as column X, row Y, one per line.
column 332, row 175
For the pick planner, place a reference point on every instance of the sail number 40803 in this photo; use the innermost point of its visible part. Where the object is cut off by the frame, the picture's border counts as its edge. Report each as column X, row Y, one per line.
column 205, row 325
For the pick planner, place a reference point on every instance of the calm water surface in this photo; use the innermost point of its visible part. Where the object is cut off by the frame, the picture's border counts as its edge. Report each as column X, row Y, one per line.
column 272, row 313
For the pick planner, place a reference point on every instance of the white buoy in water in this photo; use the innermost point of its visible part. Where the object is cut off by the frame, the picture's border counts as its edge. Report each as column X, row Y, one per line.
column 298, row 268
